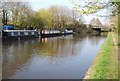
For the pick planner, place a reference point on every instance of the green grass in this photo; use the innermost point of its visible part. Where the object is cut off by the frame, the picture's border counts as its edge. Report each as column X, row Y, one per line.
column 106, row 62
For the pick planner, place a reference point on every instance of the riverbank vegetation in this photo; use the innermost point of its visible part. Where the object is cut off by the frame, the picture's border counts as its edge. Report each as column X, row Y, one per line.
column 22, row 16
column 105, row 65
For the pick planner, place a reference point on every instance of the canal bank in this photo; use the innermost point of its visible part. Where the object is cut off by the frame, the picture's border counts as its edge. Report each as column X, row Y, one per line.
column 0, row 58
column 105, row 65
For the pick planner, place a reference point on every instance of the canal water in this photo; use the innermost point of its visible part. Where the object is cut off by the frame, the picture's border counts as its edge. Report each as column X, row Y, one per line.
column 64, row 57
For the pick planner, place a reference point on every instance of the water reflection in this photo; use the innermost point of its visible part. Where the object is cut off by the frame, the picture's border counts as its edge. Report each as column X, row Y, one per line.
column 65, row 57
column 15, row 56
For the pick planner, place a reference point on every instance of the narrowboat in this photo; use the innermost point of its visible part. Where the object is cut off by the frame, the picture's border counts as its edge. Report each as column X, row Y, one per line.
column 19, row 34
column 53, row 33
column 8, row 33
column 50, row 33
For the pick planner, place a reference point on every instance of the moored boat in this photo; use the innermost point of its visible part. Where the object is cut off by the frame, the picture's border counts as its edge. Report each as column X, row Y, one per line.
column 9, row 33
column 67, row 32
column 50, row 33
column 19, row 34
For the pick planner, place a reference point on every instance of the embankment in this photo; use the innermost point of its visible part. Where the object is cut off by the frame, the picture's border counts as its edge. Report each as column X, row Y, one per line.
column 105, row 65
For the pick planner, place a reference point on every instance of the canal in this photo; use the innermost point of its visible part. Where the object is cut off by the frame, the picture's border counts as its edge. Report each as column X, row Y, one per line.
column 63, row 57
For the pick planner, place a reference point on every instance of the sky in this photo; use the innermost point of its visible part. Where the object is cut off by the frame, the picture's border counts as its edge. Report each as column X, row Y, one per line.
column 38, row 4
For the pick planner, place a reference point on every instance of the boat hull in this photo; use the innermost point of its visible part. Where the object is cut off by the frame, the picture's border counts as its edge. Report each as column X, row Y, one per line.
column 51, row 35
column 19, row 37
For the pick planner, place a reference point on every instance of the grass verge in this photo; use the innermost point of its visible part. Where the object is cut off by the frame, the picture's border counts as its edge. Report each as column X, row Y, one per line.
column 105, row 65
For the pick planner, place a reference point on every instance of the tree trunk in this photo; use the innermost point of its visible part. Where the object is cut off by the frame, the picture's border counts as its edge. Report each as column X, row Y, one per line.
column 4, row 19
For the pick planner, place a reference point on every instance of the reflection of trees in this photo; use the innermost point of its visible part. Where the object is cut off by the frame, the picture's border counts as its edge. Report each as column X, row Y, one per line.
column 95, row 39
column 80, row 36
column 15, row 57
column 58, row 47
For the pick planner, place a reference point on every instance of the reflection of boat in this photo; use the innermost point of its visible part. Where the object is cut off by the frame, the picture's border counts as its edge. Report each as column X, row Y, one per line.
column 19, row 34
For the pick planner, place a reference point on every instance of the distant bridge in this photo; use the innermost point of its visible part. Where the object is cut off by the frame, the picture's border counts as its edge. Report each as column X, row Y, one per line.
column 98, row 28
column 102, row 27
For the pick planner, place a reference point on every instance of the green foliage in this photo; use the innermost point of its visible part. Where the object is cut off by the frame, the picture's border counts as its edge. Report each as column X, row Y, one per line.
column 22, row 16
column 114, row 23
column 46, row 17
column 91, row 7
